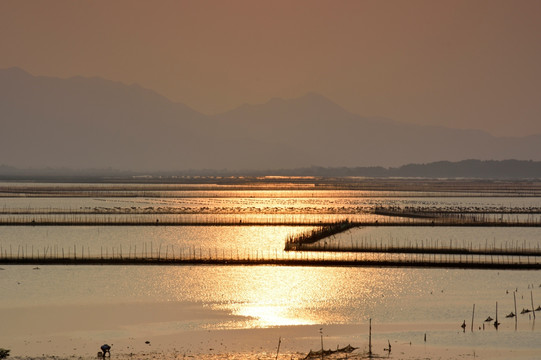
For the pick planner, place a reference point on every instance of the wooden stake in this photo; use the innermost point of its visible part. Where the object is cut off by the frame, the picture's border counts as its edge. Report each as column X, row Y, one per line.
column 321, row 332
column 370, row 338
column 533, row 310
column 472, row 314
column 516, row 314
column 496, row 323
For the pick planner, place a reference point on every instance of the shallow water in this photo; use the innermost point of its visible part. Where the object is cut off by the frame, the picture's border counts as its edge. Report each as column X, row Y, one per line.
column 408, row 302
column 414, row 300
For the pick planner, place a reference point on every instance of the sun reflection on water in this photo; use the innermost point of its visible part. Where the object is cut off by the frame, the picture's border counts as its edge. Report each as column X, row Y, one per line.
column 274, row 296
column 268, row 296
column 269, row 315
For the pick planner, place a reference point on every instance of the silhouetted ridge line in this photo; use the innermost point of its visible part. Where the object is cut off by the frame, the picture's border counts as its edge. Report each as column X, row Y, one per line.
column 489, row 169
column 97, row 123
column 478, row 169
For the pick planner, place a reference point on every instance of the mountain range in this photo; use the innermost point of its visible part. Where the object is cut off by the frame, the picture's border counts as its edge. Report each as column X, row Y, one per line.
column 85, row 123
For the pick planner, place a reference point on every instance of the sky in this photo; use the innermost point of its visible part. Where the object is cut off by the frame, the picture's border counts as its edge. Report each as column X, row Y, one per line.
column 461, row 64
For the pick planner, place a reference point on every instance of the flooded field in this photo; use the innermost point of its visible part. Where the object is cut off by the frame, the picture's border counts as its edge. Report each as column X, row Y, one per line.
column 158, row 301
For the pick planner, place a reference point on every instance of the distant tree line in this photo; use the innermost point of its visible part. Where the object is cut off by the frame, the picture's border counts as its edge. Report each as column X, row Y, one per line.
column 491, row 169
column 480, row 169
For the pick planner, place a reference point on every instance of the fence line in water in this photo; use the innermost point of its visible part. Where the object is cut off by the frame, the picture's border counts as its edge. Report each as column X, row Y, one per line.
column 248, row 220
column 379, row 215
column 171, row 255
column 374, row 247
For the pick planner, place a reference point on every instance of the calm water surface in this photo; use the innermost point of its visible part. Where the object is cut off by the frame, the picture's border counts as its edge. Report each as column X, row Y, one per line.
column 267, row 296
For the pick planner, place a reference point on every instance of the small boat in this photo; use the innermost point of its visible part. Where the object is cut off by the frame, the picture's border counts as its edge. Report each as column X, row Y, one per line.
column 489, row 319
column 510, row 315
column 525, row 311
column 538, row 308
column 463, row 324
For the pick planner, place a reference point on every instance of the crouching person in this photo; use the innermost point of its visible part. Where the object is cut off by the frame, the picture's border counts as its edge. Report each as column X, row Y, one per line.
column 105, row 349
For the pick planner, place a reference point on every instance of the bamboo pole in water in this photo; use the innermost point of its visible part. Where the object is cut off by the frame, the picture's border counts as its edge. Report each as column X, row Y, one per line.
column 533, row 310
column 321, row 332
column 516, row 314
column 472, row 314
column 370, row 338
column 496, row 323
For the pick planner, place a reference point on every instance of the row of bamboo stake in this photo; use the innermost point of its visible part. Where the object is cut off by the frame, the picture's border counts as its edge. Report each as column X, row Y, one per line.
column 151, row 254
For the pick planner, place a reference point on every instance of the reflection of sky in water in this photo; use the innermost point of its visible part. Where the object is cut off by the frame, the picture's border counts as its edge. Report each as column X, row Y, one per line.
column 276, row 295
column 267, row 296
column 283, row 296
column 272, row 296
column 246, row 241
column 465, row 237
column 269, row 199
column 219, row 240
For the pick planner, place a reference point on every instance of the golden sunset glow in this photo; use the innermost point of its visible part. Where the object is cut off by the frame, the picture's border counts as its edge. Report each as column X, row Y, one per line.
column 270, row 296
column 416, row 61
column 248, row 179
column 271, row 315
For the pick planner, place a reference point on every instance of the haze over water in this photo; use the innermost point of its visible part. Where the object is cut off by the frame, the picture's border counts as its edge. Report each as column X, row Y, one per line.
column 158, row 301
column 173, row 88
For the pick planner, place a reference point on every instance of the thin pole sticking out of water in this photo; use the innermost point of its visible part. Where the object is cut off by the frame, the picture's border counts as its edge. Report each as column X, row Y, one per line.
column 472, row 314
column 370, row 338
column 278, row 351
column 496, row 323
column 321, row 332
column 516, row 315
column 533, row 310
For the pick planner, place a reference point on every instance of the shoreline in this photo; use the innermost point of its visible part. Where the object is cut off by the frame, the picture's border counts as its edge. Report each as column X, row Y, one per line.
column 69, row 312
column 259, row 343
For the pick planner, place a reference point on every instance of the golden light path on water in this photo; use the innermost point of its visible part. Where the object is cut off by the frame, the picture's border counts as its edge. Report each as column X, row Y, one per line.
column 270, row 296
column 153, row 302
column 293, row 296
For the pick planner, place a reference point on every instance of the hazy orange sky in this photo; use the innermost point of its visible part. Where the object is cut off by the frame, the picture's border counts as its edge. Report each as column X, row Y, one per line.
column 464, row 64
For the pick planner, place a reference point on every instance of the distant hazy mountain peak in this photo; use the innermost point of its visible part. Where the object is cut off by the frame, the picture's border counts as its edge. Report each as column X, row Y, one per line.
column 14, row 72
column 309, row 104
column 274, row 101
column 15, row 69
column 83, row 122
column 317, row 101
